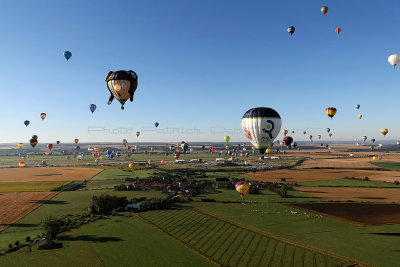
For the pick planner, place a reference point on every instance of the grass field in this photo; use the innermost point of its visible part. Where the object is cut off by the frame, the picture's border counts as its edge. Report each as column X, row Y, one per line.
column 348, row 183
column 118, row 241
column 231, row 245
column 389, row 165
column 40, row 186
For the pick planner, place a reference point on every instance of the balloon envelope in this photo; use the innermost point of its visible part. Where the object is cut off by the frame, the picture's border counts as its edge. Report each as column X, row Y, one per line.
column 291, row 30
column 43, row 116
column 26, row 123
column 242, row 188
column 67, row 55
column 394, row 60
column 156, row 124
column 384, row 131
column 92, row 107
column 227, row 138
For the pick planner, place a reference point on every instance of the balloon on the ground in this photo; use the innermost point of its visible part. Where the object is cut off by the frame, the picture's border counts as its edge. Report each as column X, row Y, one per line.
column 331, row 111
column 242, row 188
column 291, row 30
column 394, row 60
column 132, row 166
column 92, row 107
column 43, row 115
column 26, row 123
column 21, row 164
column 261, row 126
column 68, row 55
column 122, row 85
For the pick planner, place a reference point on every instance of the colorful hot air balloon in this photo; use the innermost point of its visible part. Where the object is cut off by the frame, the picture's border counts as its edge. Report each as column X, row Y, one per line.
column 394, row 60
column 384, row 131
column 268, row 151
column 76, row 140
column 43, row 116
column 357, row 106
column 33, row 141
column 364, row 138
column 132, row 166
column 150, row 162
column 324, row 10
column 351, row 155
column 156, row 124
column 50, row 146
column 338, row 30
column 287, row 140
column 92, row 107
column 21, row 164
column 359, row 116
column 67, row 55
column 284, row 132
column 331, row 111
column 261, row 126
column 330, row 134
column 227, row 138
column 44, row 162
column 122, row 85
column 291, row 30
column 137, row 134
column 163, row 162
column 47, row 153
column 20, row 145
column 26, row 123
column 242, row 188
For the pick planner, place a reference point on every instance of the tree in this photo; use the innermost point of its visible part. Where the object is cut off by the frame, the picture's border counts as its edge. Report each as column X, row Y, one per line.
column 52, row 227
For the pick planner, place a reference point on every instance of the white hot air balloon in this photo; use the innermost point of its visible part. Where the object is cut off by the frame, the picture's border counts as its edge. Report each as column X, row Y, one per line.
column 394, row 59
column 261, row 126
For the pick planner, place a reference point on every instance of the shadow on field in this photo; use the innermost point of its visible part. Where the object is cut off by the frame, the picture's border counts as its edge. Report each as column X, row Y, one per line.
column 48, row 201
column 18, row 224
column 91, row 238
column 371, row 197
column 387, row 234
column 47, row 174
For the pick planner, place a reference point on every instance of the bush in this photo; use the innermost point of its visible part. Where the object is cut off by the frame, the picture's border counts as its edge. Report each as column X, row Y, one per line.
column 366, row 178
column 28, row 239
column 16, row 243
column 283, row 179
column 396, row 182
column 105, row 203
column 208, row 200
column 52, row 227
column 10, row 245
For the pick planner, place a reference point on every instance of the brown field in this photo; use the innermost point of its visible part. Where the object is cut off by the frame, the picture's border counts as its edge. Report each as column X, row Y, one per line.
column 14, row 206
column 47, row 174
column 358, row 213
column 305, row 175
column 354, row 194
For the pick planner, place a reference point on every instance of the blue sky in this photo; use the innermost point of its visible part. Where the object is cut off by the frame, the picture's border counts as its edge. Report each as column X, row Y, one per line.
column 201, row 66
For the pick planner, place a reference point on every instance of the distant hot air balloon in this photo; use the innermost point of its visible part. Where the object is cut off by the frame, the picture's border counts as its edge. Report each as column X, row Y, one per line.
column 304, row 132
column 310, row 137
column 92, row 107
column 268, row 151
column 78, row 148
column 330, row 134
column 284, row 132
column 287, row 140
column 373, row 140
column 44, row 162
column 357, row 106
column 324, row 10
column 50, row 146
column 47, row 153
column 328, row 129
column 58, row 142
column 398, row 142
column 21, row 164
column 20, row 145
column 132, row 166
column 291, row 30
column 43, row 116
column 137, row 134
column 319, row 136
column 124, row 142
column 364, row 138
column 242, row 188
column 359, row 116
column 76, row 140
column 122, row 85
column 384, row 131
column 351, row 155
column 261, row 126
column 156, row 124
column 67, row 55
column 177, row 155
column 338, row 30
column 227, row 138
column 26, row 123
column 394, row 60
column 33, row 141
column 331, row 111
column 150, row 162
column 163, row 162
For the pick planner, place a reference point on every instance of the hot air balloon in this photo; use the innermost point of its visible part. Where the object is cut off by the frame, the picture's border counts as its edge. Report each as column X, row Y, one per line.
column 304, row 132
column 43, row 116
column 177, row 155
column 124, row 142
column 78, row 148
column 331, row 111
column 373, row 140
column 364, row 138
column 122, row 85
column 268, row 151
column 44, row 162
column 351, row 155
column 384, row 131
column 150, row 162
column 324, row 10
column 132, row 166
column 67, row 55
column 92, row 107
column 284, row 132
column 21, row 164
column 287, row 140
column 357, row 106
column 330, row 134
column 310, row 137
column 242, row 188
column 26, row 123
column 137, row 134
column 373, row 158
column 394, row 60
column 338, row 30
column 76, row 140
column 261, row 126
column 20, row 145
column 398, row 142
column 33, row 141
column 163, row 162
column 184, row 146
column 359, row 116
column 328, row 129
column 227, row 138
column 50, row 146
column 47, row 153
column 58, row 142
column 319, row 136
column 291, row 30
column 96, row 149
column 156, row 124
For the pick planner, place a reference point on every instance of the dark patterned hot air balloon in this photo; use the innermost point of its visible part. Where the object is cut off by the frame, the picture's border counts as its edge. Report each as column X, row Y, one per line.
column 331, row 111
column 122, row 85
column 291, row 30
column 287, row 140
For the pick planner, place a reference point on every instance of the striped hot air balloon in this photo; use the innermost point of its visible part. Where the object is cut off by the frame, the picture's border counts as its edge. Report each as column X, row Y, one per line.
column 331, row 111
column 338, row 30
column 384, row 131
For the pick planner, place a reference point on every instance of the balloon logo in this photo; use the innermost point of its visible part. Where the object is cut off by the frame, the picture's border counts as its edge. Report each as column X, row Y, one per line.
column 242, row 188
column 261, row 126
column 67, row 55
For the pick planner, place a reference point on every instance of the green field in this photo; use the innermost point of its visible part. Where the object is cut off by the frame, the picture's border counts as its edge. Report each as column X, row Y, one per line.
column 39, row 186
column 118, row 241
column 389, row 165
column 348, row 183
